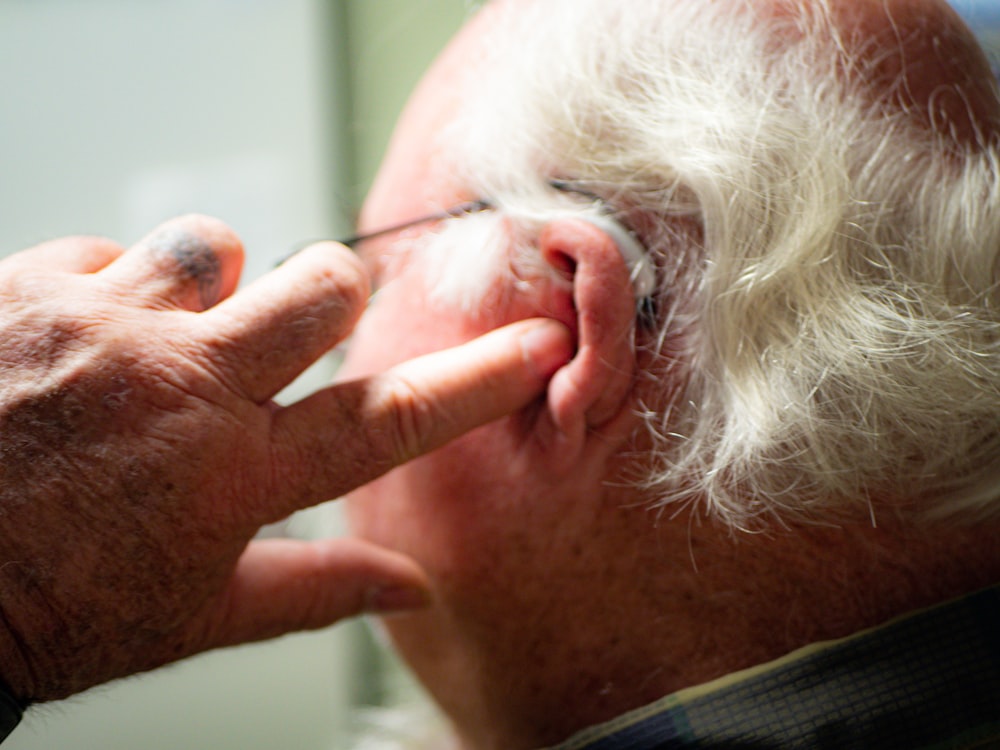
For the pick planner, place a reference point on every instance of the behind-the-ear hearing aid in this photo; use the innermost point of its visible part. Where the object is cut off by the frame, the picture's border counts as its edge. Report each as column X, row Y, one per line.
column 636, row 256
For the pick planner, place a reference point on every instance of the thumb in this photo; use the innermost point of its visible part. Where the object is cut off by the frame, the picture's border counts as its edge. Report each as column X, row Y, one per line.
column 283, row 585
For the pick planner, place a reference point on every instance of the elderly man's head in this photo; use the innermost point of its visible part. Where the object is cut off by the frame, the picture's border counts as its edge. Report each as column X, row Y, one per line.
column 816, row 185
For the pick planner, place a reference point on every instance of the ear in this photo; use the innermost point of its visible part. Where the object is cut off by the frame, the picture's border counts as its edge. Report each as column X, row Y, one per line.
column 588, row 400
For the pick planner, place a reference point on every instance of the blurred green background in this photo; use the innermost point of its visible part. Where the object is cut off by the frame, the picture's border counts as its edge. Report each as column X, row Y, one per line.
column 389, row 45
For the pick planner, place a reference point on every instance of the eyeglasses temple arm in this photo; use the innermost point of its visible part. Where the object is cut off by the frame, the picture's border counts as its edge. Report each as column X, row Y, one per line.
column 470, row 207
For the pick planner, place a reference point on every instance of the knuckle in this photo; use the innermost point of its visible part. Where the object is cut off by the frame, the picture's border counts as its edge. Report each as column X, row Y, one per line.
column 413, row 420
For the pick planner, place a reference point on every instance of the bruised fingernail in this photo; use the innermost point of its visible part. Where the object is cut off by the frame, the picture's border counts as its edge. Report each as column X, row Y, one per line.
column 396, row 599
column 548, row 346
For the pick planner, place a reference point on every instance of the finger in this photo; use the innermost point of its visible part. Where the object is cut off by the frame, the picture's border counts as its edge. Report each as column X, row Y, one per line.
column 283, row 585
column 268, row 333
column 69, row 254
column 346, row 435
column 189, row 263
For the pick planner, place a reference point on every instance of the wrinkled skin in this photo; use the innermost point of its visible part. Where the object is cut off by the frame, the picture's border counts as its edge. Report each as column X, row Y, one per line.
column 141, row 451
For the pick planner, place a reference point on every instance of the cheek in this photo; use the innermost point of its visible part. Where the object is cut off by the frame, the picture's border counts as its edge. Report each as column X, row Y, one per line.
column 407, row 318
column 395, row 328
column 476, row 516
column 413, row 508
column 401, row 323
column 455, row 512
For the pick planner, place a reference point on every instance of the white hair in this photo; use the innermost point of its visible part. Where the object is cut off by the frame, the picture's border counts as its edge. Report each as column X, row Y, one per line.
column 828, row 331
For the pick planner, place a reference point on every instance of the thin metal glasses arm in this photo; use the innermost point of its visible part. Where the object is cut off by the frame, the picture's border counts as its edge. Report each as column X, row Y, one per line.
column 461, row 209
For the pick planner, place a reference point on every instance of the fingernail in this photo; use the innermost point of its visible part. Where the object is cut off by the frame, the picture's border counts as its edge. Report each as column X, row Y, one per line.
column 548, row 346
column 396, row 599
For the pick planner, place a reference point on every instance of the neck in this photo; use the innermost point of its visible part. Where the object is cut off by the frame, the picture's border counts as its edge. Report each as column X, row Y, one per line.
column 685, row 603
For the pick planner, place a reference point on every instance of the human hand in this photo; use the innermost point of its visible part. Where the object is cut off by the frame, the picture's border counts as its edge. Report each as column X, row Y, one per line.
column 141, row 451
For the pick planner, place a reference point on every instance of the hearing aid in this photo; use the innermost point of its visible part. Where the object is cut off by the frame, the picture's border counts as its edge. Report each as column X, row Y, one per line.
column 636, row 256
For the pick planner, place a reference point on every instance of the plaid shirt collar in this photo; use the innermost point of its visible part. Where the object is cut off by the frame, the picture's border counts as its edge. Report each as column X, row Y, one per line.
column 927, row 680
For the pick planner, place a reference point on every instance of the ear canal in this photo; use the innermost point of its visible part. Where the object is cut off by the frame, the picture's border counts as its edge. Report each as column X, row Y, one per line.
column 636, row 256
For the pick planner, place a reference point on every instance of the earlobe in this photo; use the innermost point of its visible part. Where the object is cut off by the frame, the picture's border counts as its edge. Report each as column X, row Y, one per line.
column 587, row 397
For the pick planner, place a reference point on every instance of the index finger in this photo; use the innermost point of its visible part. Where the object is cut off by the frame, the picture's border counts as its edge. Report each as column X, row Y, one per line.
column 348, row 434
